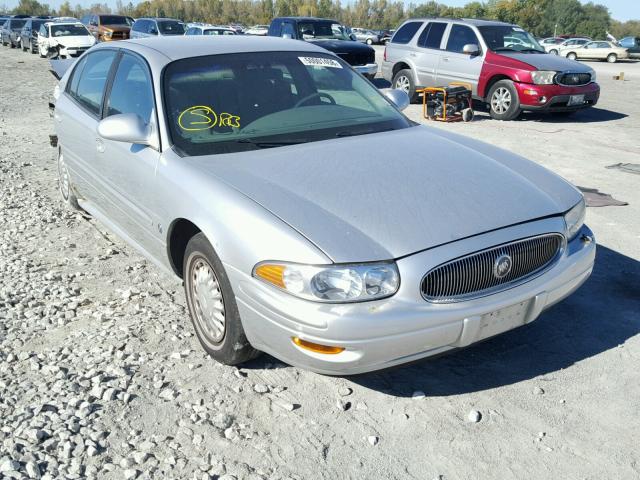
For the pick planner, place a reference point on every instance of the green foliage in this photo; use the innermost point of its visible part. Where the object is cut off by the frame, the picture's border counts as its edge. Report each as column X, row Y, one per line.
column 540, row 17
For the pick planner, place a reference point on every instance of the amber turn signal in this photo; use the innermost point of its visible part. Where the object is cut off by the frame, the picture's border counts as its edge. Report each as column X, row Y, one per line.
column 272, row 274
column 317, row 348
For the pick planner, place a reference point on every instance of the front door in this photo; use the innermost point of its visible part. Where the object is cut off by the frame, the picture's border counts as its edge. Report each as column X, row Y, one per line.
column 456, row 66
column 127, row 169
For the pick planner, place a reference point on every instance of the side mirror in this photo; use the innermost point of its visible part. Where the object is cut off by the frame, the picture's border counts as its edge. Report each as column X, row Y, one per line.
column 471, row 49
column 153, row 31
column 353, row 37
column 127, row 127
column 398, row 97
column 288, row 36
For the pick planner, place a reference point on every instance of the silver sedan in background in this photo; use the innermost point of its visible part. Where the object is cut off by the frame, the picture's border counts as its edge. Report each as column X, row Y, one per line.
column 305, row 214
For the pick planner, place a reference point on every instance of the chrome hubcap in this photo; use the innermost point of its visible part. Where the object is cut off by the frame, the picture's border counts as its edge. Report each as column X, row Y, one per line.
column 63, row 177
column 402, row 83
column 501, row 100
column 208, row 303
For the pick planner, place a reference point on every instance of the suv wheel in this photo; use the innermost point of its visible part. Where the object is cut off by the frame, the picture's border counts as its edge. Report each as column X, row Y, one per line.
column 571, row 56
column 212, row 305
column 403, row 80
column 503, row 100
column 612, row 58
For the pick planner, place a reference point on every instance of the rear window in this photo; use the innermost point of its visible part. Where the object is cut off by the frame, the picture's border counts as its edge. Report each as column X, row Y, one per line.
column 171, row 28
column 406, row 32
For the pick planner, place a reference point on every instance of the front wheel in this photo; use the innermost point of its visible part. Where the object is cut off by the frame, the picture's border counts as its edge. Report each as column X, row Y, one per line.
column 369, row 41
column 64, row 184
column 403, row 80
column 212, row 305
column 504, row 103
column 553, row 51
column 571, row 56
column 612, row 58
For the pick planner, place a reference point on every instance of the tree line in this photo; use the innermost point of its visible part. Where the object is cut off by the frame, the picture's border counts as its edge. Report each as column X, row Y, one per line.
column 540, row 17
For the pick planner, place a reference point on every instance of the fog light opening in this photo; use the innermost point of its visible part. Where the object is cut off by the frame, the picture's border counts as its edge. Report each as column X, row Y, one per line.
column 316, row 347
column 542, row 99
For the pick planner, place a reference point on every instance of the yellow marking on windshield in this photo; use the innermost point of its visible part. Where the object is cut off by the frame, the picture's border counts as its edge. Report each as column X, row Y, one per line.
column 202, row 117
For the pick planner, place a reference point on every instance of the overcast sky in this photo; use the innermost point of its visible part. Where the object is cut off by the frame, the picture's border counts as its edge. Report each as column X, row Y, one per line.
column 620, row 9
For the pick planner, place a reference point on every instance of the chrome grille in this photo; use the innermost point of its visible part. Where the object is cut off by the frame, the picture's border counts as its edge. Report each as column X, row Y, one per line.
column 573, row 79
column 475, row 275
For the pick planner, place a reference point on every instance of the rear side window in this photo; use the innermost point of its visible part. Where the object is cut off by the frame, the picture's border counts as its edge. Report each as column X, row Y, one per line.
column 139, row 26
column 431, row 36
column 460, row 36
column 89, row 88
column 406, row 32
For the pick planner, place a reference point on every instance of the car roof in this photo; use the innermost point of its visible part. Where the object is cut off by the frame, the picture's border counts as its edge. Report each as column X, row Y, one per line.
column 478, row 22
column 307, row 19
column 178, row 47
column 158, row 19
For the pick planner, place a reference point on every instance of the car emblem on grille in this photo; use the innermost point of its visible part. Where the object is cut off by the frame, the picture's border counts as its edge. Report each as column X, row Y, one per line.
column 502, row 266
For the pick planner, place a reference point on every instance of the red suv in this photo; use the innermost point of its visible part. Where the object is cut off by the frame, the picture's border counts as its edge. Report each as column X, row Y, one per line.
column 506, row 67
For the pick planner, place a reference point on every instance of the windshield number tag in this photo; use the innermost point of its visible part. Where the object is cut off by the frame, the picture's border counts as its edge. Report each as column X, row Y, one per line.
column 320, row 62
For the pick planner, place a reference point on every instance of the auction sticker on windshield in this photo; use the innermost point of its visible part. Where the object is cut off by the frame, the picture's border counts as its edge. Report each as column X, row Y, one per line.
column 320, row 62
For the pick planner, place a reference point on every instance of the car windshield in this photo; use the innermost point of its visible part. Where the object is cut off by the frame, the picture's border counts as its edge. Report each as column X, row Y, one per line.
column 68, row 30
column 171, row 27
column 113, row 20
column 322, row 30
column 246, row 101
column 504, row 38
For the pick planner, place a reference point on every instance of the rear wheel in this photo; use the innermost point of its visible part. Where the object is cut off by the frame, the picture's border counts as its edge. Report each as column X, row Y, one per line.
column 24, row 47
column 369, row 41
column 504, row 103
column 64, row 184
column 212, row 305
column 571, row 56
column 553, row 51
column 612, row 58
column 403, row 80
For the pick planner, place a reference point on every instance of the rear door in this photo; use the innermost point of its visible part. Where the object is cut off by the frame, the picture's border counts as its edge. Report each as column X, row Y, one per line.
column 455, row 66
column 128, row 170
column 428, row 52
column 76, row 119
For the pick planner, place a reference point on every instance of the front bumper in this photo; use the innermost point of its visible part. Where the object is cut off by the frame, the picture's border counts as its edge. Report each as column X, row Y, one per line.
column 368, row 70
column 405, row 327
column 555, row 98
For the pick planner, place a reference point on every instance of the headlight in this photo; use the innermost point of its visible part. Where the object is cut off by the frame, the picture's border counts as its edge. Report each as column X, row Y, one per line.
column 574, row 219
column 593, row 75
column 332, row 283
column 108, row 34
column 543, row 77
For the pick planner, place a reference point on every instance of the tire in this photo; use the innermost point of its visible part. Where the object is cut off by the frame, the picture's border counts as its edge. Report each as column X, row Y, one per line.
column 369, row 41
column 403, row 80
column 572, row 56
column 209, row 296
column 503, row 100
column 11, row 45
column 24, row 49
column 467, row 115
column 64, row 184
column 33, row 50
column 553, row 51
column 612, row 58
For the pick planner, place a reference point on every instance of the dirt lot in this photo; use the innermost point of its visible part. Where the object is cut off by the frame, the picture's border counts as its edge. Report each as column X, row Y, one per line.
column 101, row 377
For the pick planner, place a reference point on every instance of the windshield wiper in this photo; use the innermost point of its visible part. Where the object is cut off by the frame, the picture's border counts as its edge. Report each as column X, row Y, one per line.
column 504, row 49
column 268, row 144
column 346, row 133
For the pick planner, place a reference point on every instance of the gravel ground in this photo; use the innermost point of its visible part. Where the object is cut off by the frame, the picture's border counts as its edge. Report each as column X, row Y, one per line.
column 101, row 376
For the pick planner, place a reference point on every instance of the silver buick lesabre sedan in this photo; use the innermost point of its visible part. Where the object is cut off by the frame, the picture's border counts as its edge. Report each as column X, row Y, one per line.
column 306, row 215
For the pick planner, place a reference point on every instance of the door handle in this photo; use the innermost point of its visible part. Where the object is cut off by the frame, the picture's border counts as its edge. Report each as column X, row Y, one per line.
column 412, row 54
column 445, row 59
column 99, row 145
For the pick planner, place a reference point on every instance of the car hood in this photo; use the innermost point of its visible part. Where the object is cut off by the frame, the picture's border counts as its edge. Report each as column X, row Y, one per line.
column 342, row 46
column 387, row 195
column 76, row 41
column 545, row 61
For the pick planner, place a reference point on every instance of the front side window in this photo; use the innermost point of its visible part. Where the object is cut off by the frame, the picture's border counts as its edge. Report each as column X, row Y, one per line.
column 287, row 29
column 244, row 101
column 92, row 79
column 131, row 91
column 68, row 30
column 406, row 32
column 170, row 28
column 506, row 38
column 43, row 31
column 459, row 36
column 321, row 30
